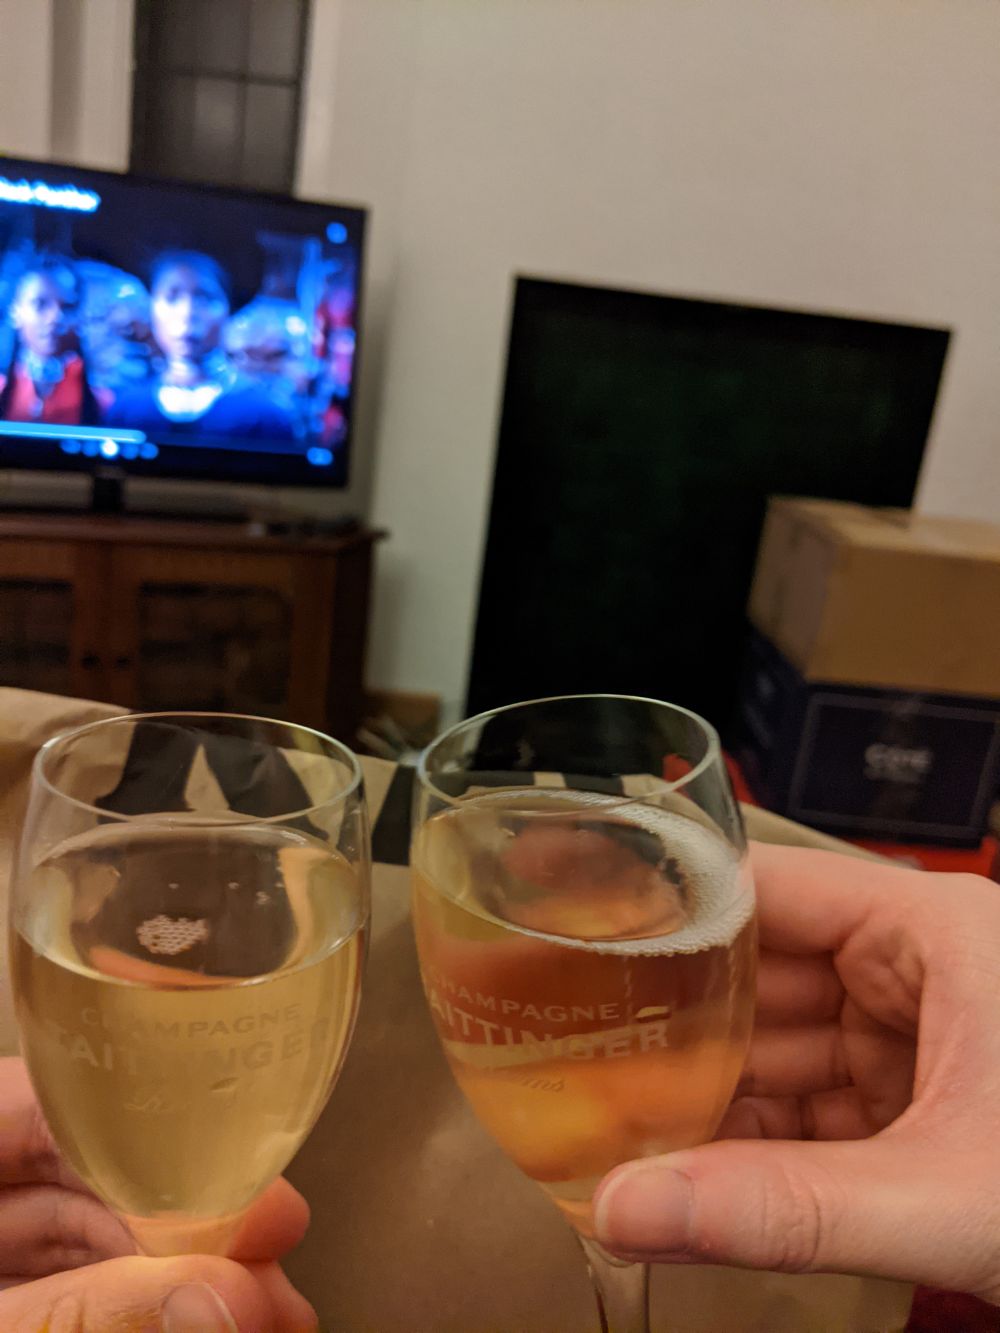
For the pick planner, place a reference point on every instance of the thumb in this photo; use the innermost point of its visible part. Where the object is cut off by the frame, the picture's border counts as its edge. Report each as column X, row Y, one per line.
column 192, row 1294
column 860, row 1207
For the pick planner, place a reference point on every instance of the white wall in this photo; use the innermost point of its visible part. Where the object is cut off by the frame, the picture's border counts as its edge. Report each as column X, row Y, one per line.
column 829, row 154
column 92, row 82
column 25, row 77
column 66, row 80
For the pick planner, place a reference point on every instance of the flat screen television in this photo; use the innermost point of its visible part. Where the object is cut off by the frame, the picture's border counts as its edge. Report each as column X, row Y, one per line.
column 175, row 330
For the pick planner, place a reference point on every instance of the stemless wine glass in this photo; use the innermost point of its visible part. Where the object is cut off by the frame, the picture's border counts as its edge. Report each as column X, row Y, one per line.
column 584, row 915
column 187, row 931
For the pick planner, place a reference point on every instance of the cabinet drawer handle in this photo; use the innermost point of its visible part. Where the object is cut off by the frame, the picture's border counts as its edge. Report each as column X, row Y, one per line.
column 89, row 661
column 122, row 661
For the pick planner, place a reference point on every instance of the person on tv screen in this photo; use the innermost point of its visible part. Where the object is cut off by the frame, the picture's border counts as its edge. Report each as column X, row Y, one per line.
column 46, row 378
column 196, row 390
column 115, row 327
column 268, row 342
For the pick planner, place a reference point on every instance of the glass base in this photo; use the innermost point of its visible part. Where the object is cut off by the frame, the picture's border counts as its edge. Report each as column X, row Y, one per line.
column 162, row 1237
column 621, row 1288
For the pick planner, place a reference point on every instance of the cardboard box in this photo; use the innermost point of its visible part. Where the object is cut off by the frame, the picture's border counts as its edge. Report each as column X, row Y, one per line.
column 870, row 703
column 861, row 596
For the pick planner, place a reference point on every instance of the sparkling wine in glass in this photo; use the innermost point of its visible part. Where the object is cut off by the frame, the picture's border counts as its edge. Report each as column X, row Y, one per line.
column 187, row 933
column 584, row 916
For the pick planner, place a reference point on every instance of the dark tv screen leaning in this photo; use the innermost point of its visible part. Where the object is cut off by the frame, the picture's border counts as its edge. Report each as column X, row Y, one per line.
column 175, row 330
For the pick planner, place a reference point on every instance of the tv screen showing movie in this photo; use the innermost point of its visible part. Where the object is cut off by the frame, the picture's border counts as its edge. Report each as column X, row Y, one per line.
column 173, row 329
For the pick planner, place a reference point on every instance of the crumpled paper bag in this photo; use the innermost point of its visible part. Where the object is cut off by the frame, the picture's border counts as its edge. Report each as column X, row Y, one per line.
column 419, row 1223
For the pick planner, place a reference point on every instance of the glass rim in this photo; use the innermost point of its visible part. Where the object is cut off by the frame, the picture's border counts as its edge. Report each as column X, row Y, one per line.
column 70, row 734
column 713, row 752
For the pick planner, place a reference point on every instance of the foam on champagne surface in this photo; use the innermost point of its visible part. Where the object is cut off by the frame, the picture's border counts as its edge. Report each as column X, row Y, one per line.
column 717, row 885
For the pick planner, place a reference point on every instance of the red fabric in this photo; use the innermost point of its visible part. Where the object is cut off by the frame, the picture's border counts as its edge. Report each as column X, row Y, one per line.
column 740, row 785
column 63, row 406
column 675, row 768
column 946, row 1312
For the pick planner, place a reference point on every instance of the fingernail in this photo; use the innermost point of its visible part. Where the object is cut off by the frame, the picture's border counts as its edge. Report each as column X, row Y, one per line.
column 644, row 1209
column 196, row 1308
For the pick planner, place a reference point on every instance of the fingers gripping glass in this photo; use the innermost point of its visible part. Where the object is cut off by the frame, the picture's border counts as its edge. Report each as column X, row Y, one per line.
column 189, row 909
column 584, row 917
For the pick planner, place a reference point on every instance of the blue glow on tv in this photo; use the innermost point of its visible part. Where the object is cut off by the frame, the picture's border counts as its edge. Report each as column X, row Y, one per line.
column 44, row 195
column 214, row 332
column 42, row 430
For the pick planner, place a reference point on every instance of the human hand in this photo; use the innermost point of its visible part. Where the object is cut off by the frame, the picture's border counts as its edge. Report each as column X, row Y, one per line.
column 49, row 1222
column 878, row 1048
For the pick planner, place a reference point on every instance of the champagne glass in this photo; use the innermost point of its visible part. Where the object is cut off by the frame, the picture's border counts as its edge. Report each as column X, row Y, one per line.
column 188, row 916
column 584, row 916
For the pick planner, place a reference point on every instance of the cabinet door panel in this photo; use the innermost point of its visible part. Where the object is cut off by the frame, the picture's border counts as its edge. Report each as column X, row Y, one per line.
column 51, row 628
column 203, row 630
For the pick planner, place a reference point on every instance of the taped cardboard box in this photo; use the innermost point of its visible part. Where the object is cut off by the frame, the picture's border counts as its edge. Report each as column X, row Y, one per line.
column 870, row 704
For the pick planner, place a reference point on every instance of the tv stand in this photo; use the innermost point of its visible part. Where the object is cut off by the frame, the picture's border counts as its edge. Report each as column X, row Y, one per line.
column 107, row 491
column 158, row 614
column 109, row 495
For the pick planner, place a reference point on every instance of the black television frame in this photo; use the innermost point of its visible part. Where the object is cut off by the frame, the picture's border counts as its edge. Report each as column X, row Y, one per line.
column 196, row 463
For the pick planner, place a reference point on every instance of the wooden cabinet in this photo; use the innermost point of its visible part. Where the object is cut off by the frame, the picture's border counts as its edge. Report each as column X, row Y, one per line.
column 159, row 615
